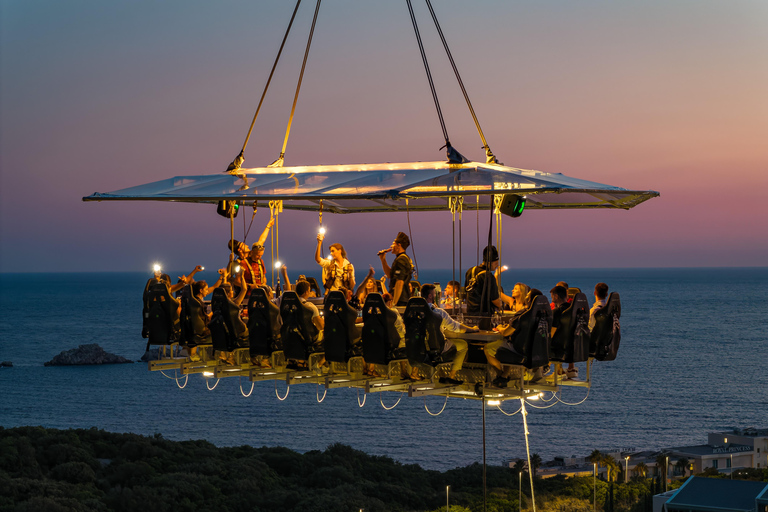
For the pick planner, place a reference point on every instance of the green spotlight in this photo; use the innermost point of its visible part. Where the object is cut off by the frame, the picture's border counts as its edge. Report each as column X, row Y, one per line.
column 512, row 205
column 227, row 208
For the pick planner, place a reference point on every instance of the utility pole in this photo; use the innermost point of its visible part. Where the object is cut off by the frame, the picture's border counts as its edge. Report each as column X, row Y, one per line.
column 594, row 487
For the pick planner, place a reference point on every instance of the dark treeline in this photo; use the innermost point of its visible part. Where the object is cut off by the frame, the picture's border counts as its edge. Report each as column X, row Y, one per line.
column 62, row 470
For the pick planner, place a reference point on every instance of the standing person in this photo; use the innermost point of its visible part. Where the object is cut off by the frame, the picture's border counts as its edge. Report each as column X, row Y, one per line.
column 251, row 265
column 338, row 272
column 601, row 295
column 448, row 324
column 401, row 270
column 256, row 273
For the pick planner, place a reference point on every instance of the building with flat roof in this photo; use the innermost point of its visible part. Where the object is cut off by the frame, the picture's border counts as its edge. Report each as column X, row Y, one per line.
column 723, row 458
column 754, row 437
column 699, row 494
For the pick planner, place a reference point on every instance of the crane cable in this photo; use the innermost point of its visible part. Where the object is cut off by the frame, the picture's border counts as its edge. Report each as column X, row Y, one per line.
column 453, row 155
column 238, row 161
column 281, row 158
column 489, row 156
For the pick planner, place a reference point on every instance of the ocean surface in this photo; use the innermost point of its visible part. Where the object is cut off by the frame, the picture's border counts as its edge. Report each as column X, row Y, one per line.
column 693, row 359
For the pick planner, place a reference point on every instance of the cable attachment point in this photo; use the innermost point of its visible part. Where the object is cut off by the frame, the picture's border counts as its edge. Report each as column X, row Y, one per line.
column 234, row 166
column 454, row 157
column 490, row 158
column 278, row 162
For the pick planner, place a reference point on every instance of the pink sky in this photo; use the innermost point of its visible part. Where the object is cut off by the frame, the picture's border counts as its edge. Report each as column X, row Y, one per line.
column 660, row 95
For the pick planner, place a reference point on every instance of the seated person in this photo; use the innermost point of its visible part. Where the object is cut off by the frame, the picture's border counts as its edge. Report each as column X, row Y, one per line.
column 347, row 294
column 519, row 292
column 302, row 289
column 369, row 285
column 564, row 285
column 559, row 296
column 601, row 295
column 450, row 294
column 160, row 276
column 448, row 324
column 508, row 330
column 201, row 335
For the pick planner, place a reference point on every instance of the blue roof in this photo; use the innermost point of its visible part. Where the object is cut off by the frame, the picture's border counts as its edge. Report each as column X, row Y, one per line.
column 716, row 495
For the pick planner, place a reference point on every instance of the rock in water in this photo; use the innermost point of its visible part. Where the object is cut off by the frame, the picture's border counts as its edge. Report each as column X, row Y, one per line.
column 86, row 354
column 6, row 364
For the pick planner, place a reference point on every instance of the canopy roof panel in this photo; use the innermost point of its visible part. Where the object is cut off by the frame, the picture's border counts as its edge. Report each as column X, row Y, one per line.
column 383, row 187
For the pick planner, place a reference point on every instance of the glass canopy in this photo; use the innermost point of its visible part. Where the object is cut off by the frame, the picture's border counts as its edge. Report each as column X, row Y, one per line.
column 426, row 186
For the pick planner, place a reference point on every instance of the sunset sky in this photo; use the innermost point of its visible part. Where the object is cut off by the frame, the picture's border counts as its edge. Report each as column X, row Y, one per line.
column 658, row 95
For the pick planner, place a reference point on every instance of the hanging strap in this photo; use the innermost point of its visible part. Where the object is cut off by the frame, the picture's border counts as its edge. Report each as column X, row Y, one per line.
column 238, row 161
column 489, row 157
column 454, row 156
column 281, row 158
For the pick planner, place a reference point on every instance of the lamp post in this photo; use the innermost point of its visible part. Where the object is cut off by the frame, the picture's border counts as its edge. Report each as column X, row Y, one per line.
column 520, row 490
column 731, row 466
column 446, row 497
column 594, row 486
column 666, row 472
column 626, row 469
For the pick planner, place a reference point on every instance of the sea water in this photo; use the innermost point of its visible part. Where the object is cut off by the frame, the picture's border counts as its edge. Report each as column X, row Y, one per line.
column 693, row 359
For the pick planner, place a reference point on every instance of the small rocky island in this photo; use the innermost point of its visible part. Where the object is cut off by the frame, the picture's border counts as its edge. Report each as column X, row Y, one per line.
column 86, row 354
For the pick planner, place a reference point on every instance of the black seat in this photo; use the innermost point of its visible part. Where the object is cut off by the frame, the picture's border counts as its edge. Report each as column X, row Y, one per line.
column 198, row 321
column 298, row 333
column 380, row 337
column 530, row 341
column 185, row 319
column 228, row 331
column 161, row 320
column 424, row 340
column 606, row 334
column 570, row 344
column 339, row 335
column 263, row 324
column 314, row 286
column 145, row 305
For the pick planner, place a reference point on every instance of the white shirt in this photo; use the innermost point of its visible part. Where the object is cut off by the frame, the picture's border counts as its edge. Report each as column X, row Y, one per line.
column 447, row 324
column 597, row 305
column 337, row 282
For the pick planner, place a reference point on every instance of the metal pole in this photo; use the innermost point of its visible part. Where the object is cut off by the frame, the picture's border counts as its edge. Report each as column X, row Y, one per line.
column 626, row 469
column 484, row 490
column 524, row 413
column 594, row 486
column 520, row 490
column 446, row 497
column 666, row 472
column 731, row 466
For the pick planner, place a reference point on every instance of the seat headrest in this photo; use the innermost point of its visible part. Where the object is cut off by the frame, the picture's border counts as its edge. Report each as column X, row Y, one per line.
column 335, row 300
column 289, row 297
column 258, row 298
column 374, row 300
column 415, row 306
